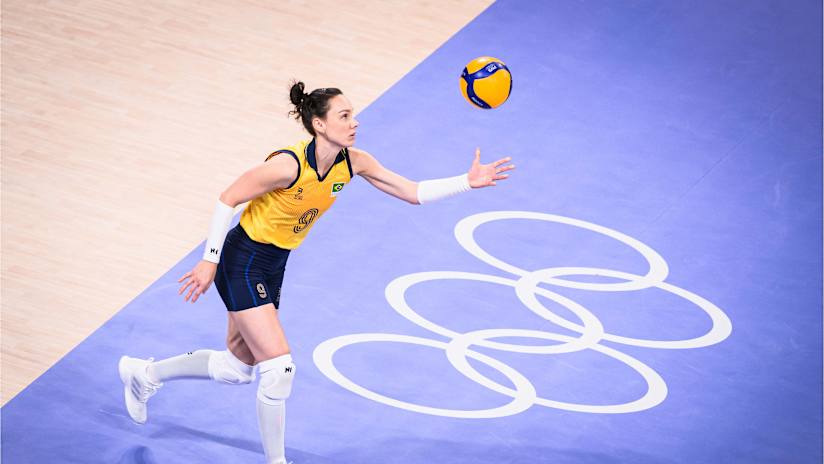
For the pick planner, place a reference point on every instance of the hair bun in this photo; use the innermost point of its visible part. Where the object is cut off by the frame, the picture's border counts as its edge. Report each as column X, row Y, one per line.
column 296, row 94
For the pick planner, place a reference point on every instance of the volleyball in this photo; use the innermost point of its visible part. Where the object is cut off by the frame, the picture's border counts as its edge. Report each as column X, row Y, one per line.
column 486, row 82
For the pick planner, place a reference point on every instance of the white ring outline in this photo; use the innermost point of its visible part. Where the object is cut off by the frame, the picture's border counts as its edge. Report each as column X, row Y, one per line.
column 523, row 398
column 396, row 296
column 658, row 269
column 656, row 387
column 721, row 324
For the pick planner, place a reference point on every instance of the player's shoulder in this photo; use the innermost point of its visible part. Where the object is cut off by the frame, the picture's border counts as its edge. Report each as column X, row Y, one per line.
column 298, row 149
column 286, row 162
column 354, row 151
column 360, row 159
column 358, row 155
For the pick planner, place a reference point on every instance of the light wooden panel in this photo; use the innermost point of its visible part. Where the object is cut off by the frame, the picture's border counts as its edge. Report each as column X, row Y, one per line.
column 123, row 120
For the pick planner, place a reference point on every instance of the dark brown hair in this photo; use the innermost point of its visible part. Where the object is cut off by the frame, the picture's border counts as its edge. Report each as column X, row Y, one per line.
column 310, row 105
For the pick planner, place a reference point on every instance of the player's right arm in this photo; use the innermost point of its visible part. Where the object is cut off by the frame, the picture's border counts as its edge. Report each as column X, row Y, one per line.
column 277, row 173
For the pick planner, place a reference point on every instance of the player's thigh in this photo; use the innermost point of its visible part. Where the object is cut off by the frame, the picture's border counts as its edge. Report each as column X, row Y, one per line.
column 261, row 331
column 236, row 344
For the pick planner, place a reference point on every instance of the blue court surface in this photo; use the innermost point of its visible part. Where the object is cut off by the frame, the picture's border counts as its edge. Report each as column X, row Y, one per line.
column 646, row 288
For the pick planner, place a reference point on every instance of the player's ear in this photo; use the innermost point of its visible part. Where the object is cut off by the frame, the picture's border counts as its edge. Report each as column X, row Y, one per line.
column 319, row 125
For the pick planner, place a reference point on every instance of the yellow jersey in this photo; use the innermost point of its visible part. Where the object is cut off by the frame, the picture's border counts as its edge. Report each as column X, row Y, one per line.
column 283, row 217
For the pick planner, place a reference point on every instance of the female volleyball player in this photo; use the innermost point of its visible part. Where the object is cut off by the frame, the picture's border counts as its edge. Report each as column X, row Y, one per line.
column 287, row 194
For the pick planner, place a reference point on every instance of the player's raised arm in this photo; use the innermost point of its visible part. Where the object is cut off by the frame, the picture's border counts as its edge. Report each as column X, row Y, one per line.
column 416, row 193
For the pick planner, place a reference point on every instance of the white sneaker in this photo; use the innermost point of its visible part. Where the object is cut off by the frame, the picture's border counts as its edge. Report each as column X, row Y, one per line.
column 137, row 388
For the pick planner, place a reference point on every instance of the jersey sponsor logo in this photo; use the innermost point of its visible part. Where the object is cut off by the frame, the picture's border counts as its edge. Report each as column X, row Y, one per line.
column 305, row 220
column 337, row 187
column 261, row 290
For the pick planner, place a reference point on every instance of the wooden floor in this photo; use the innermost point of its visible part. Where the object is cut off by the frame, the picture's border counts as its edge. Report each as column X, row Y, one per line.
column 123, row 120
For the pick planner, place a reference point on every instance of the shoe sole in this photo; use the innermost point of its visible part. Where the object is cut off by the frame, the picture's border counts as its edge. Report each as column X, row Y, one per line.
column 126, row 393
column 120, row 369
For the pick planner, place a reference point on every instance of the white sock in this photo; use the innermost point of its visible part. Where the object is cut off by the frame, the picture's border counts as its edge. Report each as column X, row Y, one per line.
column 272, row 422
column 192, row 365
column 275, row 386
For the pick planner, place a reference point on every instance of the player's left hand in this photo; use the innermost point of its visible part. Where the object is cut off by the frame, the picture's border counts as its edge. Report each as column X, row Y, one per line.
column 484, row 175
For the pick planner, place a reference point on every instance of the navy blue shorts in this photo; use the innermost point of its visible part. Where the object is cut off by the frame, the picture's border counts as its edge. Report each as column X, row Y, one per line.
column 249, row 273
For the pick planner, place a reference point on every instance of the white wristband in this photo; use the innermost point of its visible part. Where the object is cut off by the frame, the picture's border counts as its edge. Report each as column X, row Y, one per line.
column 217, row 231
column 438, row 189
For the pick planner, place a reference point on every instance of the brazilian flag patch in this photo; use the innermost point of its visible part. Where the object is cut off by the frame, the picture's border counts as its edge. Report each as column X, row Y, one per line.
column 337, row 187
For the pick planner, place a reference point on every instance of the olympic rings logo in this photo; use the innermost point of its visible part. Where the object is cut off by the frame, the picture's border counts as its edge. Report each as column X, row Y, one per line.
column 526, row 286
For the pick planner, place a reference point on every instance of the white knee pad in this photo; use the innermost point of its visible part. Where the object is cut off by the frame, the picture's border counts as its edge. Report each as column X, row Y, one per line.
column 276, row 379
column 225, row 367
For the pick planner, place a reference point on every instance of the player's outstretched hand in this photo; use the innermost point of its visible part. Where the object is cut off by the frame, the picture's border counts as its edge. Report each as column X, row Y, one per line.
column 199, row 279
column 484, row 175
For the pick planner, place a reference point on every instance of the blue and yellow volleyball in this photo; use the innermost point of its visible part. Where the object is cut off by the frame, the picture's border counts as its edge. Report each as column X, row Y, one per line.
column 486, row 82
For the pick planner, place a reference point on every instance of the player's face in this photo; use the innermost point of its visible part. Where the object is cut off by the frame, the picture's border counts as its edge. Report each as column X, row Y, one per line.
column 340, row 124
